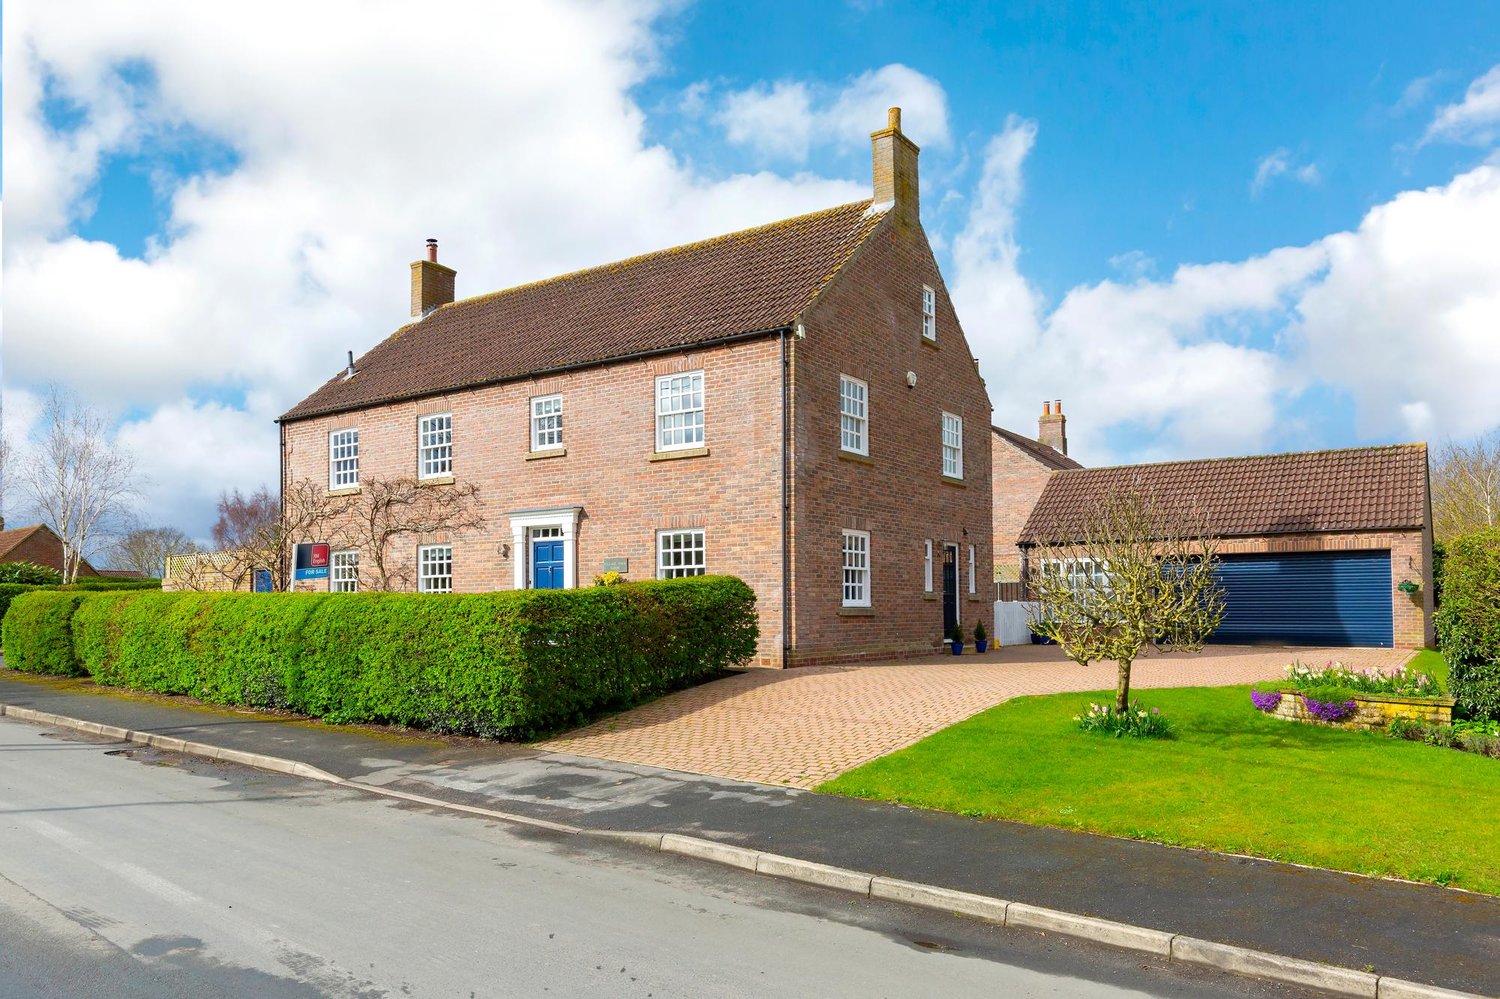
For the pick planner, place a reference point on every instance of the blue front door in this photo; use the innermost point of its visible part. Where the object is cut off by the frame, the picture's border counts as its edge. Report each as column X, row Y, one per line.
column 547, row 564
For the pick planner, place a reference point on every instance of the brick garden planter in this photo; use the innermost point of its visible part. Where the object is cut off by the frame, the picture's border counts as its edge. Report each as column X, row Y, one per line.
column 1372, row 712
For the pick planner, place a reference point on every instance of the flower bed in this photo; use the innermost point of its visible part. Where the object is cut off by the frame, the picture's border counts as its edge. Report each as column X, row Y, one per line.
column 1355, row 698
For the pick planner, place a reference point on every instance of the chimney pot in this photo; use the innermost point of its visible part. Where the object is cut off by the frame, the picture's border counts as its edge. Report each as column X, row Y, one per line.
column 1052, row 426
column 431, row 283
column 895, row 169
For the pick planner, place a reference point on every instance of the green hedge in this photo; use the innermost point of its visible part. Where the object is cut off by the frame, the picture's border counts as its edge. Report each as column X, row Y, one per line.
column 37, row 633
column 1468, row 623
column 113, row 583
column 9, row 591
column 506, row 665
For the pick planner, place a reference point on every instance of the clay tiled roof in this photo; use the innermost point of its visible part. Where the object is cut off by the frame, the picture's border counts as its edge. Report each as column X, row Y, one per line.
column 13, row 537
column 746, row 282
column 1042, row 453
column 1358, row 489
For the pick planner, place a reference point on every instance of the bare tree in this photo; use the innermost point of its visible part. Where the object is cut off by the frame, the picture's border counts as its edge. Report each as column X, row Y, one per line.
column 145, row 549
column 1466, row 487
column 1134, row 574
column 255, row 532
column 76, row 476
column 393, row 510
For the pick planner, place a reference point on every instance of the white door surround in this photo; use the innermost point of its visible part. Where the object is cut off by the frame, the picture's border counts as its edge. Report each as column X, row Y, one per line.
column 563, row 517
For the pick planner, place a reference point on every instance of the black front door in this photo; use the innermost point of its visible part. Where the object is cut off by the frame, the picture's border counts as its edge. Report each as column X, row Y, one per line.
column 950, row 588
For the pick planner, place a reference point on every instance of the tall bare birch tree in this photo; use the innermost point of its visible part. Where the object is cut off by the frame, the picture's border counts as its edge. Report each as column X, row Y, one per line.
column 1466, row 487
column 76, row 476
column 1133, row 573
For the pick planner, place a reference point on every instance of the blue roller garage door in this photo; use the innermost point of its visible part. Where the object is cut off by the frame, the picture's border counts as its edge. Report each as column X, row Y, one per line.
column 1315, row 598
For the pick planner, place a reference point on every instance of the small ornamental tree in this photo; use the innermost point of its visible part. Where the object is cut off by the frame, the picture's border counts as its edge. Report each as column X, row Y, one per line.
column 1135, row 574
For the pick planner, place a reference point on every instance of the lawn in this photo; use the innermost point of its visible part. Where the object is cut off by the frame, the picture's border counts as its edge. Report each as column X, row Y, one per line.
column 1231, row 779
column 1431, row 661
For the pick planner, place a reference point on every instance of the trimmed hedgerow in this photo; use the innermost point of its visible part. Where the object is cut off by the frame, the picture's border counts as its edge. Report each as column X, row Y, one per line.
column 37, row 633
column 506, row 665
column 1468, row 623
column 92, row 583
column 9, row 591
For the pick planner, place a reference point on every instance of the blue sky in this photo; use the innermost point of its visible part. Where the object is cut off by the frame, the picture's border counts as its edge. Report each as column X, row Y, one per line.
column 1220, row 229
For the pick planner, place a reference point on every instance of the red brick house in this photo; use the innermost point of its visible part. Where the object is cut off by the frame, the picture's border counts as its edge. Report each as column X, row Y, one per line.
column 1020, row 467
column 1318, row 548
column 38, row 545
column 794, row 404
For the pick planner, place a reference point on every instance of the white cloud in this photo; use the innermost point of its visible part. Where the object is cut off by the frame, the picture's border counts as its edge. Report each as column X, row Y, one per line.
column 1400, row 314
column 1408, row 315
column 1281, row 163
column 1475, row 119
column 785, row 119
column 515, row 141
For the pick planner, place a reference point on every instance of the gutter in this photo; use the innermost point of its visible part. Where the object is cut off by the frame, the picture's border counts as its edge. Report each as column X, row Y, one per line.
column 786, row 506
column 540, row 372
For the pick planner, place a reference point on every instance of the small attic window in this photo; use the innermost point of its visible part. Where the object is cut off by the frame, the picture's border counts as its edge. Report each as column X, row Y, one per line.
column 929, row 313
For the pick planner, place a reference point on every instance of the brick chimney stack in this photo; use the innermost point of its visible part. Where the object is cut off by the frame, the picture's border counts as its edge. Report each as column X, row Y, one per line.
column 896, row 168
column 431, row 283
column 1052, row 426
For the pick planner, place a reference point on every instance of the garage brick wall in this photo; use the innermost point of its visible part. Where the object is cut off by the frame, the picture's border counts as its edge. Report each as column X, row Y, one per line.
column 1018, row 483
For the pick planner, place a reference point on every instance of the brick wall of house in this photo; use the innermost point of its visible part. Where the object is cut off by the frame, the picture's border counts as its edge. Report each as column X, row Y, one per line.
column 732, row 492
column 867, row 324
column 1018, row 483
column 1411, row 558
column 43, row 548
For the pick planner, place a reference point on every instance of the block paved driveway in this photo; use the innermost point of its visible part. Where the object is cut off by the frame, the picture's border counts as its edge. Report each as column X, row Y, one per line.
column 800, row 727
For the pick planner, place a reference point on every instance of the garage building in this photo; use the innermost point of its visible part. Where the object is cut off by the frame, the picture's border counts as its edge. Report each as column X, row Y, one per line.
column 1318, row 547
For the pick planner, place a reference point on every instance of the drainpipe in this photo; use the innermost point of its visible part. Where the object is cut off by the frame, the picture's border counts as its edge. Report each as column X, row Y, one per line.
column 786, row 506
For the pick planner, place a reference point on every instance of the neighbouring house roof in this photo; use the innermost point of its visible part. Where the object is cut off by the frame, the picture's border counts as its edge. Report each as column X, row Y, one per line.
column 1041, row 453
column 1356, row 489
column 745, row 282
column 13, row 539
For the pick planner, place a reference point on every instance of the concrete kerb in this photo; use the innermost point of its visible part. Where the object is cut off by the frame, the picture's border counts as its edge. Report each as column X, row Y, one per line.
column 1016, row 915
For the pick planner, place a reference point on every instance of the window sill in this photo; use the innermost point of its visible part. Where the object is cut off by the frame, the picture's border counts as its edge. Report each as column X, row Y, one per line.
column 929, row 596
column 975, row 598
column 930, row 343
column 551, row 452
column 856, row 457
column 687, row 452
column 856, row 612
column 949, row 480
column 346, row 491
column 436, row 480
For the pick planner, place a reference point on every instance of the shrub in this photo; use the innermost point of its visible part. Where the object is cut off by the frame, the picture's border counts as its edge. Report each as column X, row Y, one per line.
column 9, row 591
column 93, row 583
column 29, row 573
column 37, row 633
column 1481, row 738
column 497, row 664
column 979, row 633
column 1468, row 623
column 1137, row 723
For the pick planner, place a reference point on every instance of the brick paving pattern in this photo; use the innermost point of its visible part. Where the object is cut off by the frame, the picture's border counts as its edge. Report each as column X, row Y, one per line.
column 803, row 726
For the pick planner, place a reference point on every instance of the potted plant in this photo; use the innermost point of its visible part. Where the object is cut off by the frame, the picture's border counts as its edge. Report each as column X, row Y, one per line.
column 956, row 638
column 981, row 637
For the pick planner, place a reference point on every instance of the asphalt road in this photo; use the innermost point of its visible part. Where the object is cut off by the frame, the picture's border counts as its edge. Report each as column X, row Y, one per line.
column 125, row 872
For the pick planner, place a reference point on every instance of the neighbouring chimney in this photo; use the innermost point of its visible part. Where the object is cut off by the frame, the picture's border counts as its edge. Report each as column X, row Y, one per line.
column 1052, row 427
column 895, row 168
column 431, row 283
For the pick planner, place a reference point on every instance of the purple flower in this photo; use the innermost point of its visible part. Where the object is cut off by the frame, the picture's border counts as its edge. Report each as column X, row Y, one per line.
column 1329, row 711
column 1267, row 701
